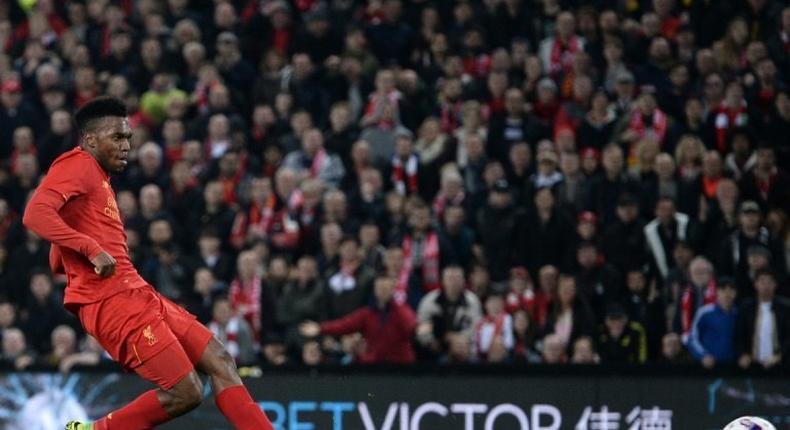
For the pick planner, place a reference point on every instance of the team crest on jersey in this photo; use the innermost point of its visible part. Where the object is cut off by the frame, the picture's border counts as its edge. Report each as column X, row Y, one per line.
column 148, row 334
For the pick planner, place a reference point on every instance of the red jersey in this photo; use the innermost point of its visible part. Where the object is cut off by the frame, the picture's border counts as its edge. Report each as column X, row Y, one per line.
column 74, row 208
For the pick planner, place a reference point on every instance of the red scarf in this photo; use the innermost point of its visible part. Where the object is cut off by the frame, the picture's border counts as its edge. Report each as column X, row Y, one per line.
column 657, row 129
column 231, row 338
column 318, row 162
column 687, row 309
column 727, row 117
column 405, row 177
column 450, row 116
column 562, row 55
column 535, row 303
column 248, row 296
column 710, row 186
column 430, row 266
column 257, row 219
column 441, row 202
column 498, row 322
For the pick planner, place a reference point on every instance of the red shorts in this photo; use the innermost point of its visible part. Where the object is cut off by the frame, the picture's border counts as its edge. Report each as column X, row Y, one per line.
column 145, row 332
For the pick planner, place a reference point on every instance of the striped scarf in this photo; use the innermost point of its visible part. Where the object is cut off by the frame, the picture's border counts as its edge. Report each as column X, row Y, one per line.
column 249, row 297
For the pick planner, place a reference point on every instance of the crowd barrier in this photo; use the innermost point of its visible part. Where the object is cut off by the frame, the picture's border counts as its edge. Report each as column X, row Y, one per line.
column 406, row 400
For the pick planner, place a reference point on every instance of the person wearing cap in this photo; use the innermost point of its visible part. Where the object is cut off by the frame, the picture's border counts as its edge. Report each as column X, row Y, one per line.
column 598, row 281
column 733, row 257
column 762, row 334
column 623, row 241
column 14, row 112
column 621, row 341
column 712, row 337
column 644, row 304
column 497, row 223
column 587, row 227
column 624, row 93
column 590, row 162
column 547, row 174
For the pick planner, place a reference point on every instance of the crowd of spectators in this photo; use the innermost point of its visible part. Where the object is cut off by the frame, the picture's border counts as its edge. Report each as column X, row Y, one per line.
column 401, row 181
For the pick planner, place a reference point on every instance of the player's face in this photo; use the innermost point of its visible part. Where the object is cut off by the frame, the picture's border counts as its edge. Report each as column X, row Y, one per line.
column 112, row 143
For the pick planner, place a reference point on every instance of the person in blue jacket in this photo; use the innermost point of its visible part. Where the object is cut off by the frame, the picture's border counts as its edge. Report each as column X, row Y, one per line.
column 712, row 338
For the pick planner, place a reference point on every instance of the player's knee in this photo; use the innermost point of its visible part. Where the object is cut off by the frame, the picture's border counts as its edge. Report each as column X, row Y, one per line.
column 189, row 396
column 193, row 395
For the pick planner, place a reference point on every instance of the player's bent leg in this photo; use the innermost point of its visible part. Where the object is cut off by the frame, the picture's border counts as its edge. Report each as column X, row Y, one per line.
column 180, row 391
column 232, row 398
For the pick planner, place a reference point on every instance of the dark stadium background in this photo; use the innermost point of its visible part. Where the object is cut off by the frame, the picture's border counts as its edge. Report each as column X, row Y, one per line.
column 556, row 187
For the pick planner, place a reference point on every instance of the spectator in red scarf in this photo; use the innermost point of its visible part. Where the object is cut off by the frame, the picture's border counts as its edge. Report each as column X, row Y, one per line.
column 700, row 291
column 246, row 291
column 730, row 114
column 765, row 183
column 405, row 172
column 646, row 121
column 313, row 161
column 556, row 52
column 387, row 327
column 253, row 223
column 425, row 252
column 493, row 339
column 233, row 331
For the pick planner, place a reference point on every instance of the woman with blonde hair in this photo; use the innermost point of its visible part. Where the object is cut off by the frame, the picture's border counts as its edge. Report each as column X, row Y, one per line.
column 688, row 156
column 643, row 161
column 730, row 50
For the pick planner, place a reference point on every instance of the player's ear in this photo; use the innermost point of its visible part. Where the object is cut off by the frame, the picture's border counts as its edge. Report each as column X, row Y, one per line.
column 89, row 139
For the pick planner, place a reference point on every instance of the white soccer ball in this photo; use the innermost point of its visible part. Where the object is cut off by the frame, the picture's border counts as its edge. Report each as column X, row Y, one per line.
column 749, row 423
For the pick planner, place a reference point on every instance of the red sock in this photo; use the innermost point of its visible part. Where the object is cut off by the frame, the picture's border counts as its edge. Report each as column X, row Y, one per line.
column 239, row 408
column 143, row 413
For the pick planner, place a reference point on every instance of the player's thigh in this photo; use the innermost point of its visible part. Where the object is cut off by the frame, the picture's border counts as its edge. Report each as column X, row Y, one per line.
column 193, row 336
column 130, row 325
column 167, row 368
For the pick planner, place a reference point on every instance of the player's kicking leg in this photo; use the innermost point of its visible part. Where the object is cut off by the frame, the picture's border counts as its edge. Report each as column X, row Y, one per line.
column 154, row 407
column 158, row 406
column 231, row 397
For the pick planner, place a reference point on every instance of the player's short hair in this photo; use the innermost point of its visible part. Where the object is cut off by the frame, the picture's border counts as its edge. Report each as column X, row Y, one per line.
column 98, row 108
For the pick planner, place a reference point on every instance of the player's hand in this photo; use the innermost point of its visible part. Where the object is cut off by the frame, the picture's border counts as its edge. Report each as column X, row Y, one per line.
column 745, row 361
column 309, row 329
column 104, row 265
column 708, row 361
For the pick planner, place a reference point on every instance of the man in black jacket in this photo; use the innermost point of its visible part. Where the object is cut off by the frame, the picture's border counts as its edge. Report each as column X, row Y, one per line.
column 734, row 250
column 624, row 240
column 762, row 333
column 497, row 222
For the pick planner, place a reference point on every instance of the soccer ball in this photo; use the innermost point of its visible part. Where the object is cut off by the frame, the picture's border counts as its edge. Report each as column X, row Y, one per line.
column 749, row 423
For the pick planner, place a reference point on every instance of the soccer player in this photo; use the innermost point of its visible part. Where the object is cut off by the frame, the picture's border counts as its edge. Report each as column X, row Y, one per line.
column 74, row 207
